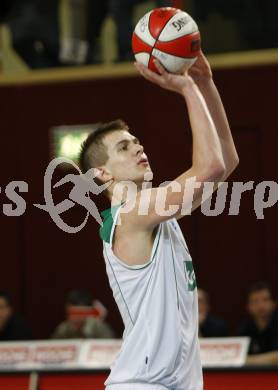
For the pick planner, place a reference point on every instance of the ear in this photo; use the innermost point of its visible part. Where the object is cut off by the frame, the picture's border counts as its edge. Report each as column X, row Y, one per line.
column 97, row 172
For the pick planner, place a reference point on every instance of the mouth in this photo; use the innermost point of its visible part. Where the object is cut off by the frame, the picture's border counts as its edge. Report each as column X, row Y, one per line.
column 143, row 161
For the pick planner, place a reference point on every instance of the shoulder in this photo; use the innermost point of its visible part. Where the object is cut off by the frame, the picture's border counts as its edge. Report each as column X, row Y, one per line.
column 62, row 330
column 109, row 219
column 95, row 327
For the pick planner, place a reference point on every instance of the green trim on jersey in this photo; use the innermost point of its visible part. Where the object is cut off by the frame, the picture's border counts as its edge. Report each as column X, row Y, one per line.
column 105, row 234
column 190, row 275
column 108, row 221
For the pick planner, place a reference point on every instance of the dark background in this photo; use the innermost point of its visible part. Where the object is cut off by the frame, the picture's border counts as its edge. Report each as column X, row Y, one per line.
column 40, row 263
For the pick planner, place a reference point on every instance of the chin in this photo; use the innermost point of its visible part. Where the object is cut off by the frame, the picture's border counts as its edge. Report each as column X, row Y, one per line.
column 147, row 175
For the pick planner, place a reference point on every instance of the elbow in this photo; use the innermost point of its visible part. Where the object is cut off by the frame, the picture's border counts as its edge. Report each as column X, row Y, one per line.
column 233, row 165
column 217, row 170
column 236, row 162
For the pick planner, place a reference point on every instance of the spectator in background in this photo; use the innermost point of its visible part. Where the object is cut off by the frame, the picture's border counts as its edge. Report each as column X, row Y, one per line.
column 83, row 318
column 34, row 28
column 262, row 322
column 5, row 9
column 97, row 11
column 257, row 23
column 209, row 325
column 12, row 327
column 256, row 20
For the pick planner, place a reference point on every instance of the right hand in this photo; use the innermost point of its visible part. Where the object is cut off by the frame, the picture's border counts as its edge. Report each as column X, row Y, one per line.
column 172, row 82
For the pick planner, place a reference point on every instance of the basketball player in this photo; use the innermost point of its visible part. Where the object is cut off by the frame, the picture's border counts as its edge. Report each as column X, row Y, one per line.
column 147, row 260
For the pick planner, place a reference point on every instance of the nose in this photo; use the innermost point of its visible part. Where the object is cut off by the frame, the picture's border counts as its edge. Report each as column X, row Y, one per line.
column 139, row 149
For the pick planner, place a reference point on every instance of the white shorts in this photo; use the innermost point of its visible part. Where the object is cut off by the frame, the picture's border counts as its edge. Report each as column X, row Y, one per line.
column 136, row 386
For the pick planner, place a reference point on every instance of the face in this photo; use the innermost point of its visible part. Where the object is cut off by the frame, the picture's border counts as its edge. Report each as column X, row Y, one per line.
column 5, row 312
column 260, row 304
column 127, row 160
column 77, row 315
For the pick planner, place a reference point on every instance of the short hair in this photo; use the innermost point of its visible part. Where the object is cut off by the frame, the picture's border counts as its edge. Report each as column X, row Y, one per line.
column 93, row 152
column 6, row 296
column 79, row 298
column 259, row 286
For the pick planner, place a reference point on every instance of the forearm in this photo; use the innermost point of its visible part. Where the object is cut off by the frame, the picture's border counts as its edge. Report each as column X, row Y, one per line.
column 219, row 117
column 207, row 150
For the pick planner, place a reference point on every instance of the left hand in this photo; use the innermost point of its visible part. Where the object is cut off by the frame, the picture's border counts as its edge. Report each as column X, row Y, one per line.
column 172, row 82
column 200, row 71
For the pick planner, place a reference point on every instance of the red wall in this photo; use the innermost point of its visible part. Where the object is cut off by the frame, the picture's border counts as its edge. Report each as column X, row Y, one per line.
column 40, row 263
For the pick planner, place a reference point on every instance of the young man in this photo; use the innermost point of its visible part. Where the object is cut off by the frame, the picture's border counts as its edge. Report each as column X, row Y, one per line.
column 262, row 322
column 80, row 322
column 148, row 264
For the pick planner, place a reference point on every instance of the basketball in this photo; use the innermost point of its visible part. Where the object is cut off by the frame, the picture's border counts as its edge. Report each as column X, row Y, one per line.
column 169, row 35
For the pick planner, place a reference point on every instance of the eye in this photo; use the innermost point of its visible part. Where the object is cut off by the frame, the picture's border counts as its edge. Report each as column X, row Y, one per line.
column 123, row 147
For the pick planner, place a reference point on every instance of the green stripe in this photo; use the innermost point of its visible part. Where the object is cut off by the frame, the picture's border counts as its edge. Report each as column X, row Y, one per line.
column 174, row 267
column 108, row 221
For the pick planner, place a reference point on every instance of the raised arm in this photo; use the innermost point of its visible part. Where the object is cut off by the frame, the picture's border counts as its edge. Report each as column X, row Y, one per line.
column 202, row 75
column 207, row 159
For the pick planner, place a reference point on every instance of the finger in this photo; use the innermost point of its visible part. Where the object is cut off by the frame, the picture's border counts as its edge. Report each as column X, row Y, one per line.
column 142, row 69
column 138, row 66
column 160, row 68
column 151, row 76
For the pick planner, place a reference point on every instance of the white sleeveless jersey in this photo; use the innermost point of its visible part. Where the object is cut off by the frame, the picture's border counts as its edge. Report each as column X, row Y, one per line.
column 159, row 307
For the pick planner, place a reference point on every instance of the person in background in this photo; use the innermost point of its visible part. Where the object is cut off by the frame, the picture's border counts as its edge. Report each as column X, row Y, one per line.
column 209, row 325
column 83, row 318
column 262, row 322
column 255, row 21
column 12, row 327
column 34, row 26
column 97, row 11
